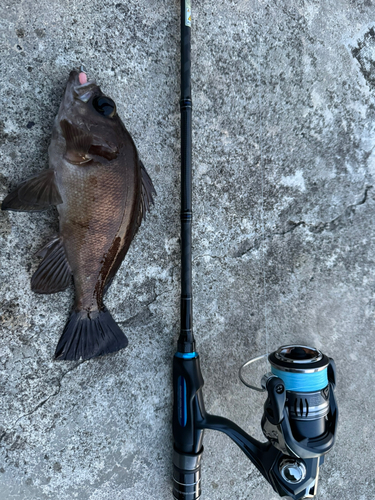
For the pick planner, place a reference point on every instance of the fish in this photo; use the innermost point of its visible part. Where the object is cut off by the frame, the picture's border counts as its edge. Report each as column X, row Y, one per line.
column 102, row 192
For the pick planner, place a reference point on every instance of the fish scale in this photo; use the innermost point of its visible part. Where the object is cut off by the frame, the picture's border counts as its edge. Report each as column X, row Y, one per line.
column 93, row 224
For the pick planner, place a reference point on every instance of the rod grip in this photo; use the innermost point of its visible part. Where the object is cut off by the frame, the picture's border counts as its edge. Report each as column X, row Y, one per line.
column 187, row 475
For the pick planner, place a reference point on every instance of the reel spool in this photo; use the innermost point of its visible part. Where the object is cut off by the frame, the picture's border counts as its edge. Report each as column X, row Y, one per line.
column 304, row 371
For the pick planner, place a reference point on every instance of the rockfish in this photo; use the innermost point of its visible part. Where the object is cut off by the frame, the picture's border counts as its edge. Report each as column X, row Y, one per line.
column 102, row 192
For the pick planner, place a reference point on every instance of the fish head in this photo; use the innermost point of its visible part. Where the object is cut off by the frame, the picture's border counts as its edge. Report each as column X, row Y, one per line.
column 88, row 121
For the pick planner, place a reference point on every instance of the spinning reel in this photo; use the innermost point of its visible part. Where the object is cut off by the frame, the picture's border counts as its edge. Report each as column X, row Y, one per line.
column 299, row 422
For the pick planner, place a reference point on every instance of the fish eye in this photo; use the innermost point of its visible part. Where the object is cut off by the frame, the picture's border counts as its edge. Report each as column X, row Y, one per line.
column 104, row 105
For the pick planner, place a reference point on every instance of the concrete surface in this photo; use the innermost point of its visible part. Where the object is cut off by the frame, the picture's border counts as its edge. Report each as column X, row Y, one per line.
column 284, row 93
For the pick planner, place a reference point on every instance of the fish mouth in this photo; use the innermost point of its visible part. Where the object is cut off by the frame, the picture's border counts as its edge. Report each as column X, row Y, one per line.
column 81, row 87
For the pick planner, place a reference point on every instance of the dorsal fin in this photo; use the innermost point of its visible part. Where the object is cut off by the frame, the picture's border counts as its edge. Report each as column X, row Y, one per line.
column 148, row 192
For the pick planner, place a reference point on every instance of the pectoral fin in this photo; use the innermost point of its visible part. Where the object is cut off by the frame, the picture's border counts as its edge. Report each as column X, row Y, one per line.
column 82, row 147
column 37, row 193
column 77, row 143
column 104, row 150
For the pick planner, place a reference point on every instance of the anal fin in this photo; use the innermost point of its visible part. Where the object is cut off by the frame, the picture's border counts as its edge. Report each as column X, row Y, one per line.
column 37, row 193
column 54, row 273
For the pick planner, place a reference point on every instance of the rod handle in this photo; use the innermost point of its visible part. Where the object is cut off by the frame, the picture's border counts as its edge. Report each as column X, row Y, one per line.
column 187, row 475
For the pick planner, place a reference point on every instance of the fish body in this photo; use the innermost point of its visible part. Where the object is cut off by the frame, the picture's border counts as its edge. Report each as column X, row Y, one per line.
column 102, row 192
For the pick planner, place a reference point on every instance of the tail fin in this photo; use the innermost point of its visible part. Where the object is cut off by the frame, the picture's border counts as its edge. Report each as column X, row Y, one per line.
column 87, row 335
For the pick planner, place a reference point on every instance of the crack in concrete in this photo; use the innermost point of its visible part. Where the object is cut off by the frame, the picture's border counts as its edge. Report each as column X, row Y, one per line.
column 218, row 257
column 42, row 403
column 340, row 219
column 157, row 295
column 315, row 228
column 364, row 55
column 145, row 312
column 293, row 225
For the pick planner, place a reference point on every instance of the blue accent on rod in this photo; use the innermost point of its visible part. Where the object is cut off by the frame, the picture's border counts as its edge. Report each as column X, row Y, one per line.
column 181, row 400
column 303, row 382
column 186, row 355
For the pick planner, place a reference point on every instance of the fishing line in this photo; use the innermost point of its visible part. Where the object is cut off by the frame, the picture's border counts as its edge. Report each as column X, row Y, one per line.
column 303, row 382
column 262, row 184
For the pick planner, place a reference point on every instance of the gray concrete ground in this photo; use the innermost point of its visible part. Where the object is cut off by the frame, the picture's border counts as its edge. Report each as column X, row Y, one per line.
column 284, row 92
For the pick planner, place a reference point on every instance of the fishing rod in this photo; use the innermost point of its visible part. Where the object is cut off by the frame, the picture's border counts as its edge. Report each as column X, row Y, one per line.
column 300, row 413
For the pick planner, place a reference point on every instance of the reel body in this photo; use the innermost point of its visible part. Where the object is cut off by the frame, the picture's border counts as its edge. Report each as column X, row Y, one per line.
column 300, row 415
column 299, row 424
